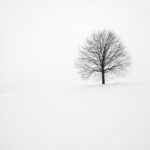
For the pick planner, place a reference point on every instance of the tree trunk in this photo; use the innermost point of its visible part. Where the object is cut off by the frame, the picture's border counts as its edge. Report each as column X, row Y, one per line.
column 103, row 77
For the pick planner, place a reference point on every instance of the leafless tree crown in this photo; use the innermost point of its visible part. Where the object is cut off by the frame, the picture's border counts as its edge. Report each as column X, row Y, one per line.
column 102, row 54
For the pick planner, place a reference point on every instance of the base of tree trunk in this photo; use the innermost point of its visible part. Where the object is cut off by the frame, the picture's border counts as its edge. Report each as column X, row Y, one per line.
column 103, row 78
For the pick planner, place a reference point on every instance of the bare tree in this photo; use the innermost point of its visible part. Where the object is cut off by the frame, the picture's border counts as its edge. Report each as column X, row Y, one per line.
column 102, row 54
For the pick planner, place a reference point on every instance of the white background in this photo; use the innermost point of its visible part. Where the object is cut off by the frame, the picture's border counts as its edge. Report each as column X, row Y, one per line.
column 43, row 102
column 40, row 38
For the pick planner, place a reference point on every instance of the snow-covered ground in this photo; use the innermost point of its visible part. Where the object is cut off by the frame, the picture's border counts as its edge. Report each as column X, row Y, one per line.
column 90, row 117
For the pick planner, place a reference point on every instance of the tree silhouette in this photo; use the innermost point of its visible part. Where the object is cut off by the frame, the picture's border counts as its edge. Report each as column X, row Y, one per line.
column 101, row 55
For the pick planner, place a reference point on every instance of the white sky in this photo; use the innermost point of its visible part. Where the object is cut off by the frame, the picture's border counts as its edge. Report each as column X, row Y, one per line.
column 40, row 38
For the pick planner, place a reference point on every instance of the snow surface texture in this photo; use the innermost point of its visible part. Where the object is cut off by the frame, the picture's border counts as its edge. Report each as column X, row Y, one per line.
column 90, row 117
